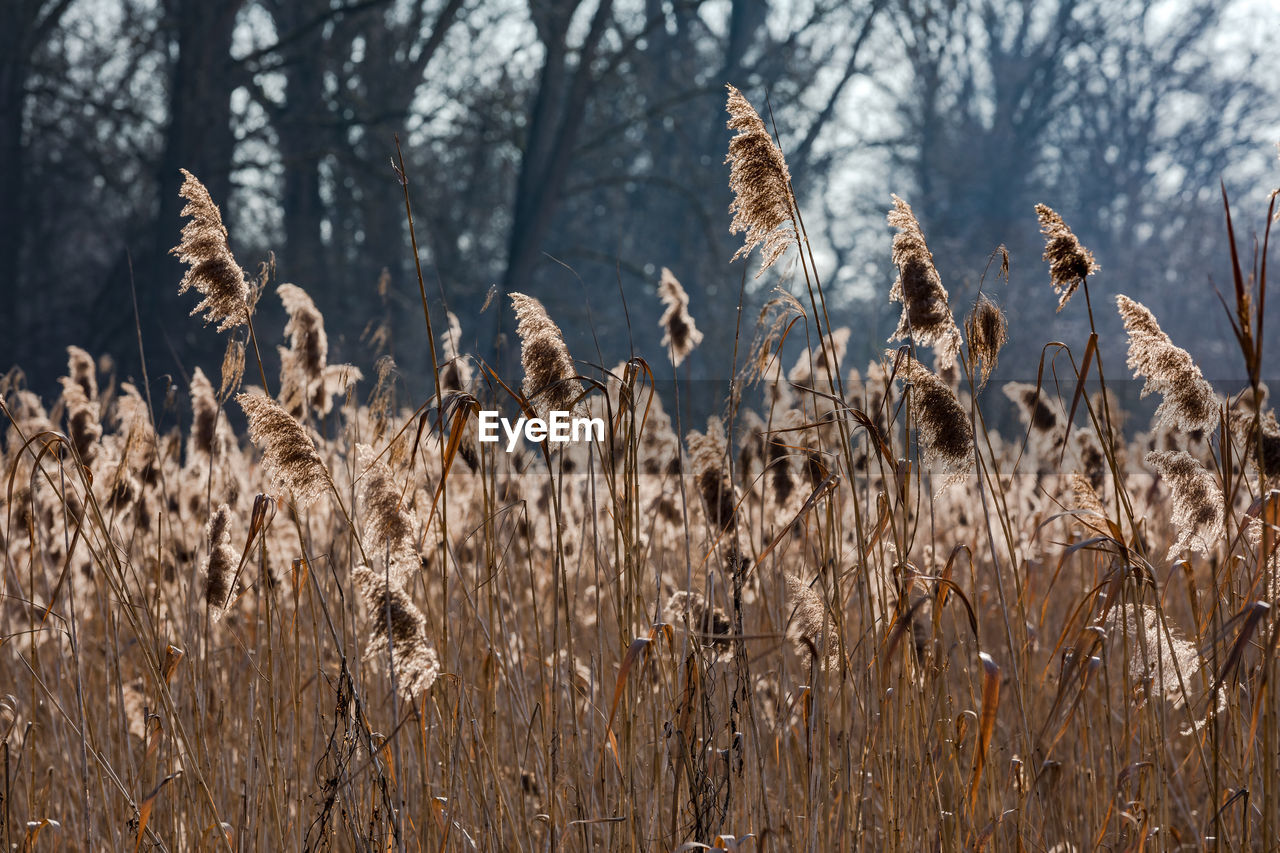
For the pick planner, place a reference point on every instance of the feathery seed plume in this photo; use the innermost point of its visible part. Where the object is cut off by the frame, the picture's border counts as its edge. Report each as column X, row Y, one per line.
column 812, row 369
column 1093, row 460
column 1168, row 661
column 1069, row 262
column 946, row 436
column 232, row 368
column 213, row 270
column 707, row 458
column 133, row 420
column 84, row 425
column 1247, row 428
column 204, row 409
column 221, row 564
column 1189, row 402
column 1197, row 500
column 681, row 333
column 761, row 185
column 807, row 621
column 1086, row 499
column 988, row 332
column 926, row 314
column 307, row 380
column 709, row 621
column 388, row 523
column 305, row 329
column 455, row 375
column 83, row 371
column 398, row 628
column 289, row 457
column 1033, row 407
column 550, row 380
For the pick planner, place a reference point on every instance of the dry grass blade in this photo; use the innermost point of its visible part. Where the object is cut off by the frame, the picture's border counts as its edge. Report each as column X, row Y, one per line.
column 986, row 727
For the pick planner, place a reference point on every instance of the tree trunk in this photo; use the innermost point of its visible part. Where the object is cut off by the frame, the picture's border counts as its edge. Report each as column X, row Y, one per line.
column 302, row 140
column 198, row 138
column 24, row 25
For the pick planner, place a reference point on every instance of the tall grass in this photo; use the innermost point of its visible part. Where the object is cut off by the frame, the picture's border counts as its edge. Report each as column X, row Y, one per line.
column 843, row 614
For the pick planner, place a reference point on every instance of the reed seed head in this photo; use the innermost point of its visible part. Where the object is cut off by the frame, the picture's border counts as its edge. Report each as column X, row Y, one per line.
column 945, row 434
column 707, row 455
column 388, row 521
column 455, row 374
column 1070, row 263
column 926, row 313
column 84, row 423
column 809, row 625
column 1189, row 402
column 1196, row 498
column 212, row 269
column 221, row 563
column 681, row 334
column 550, row 380
column 761, row 184
column 988, row 330
column 83, row 371
column 204, row 421
column 289, row 457
column 397, row 632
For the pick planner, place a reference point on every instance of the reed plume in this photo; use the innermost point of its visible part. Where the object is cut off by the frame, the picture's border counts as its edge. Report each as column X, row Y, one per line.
column 1196, row 498
column 84, row 424
column 808, row 624
column 781, row 474
column 27, row 411
column 212, row 269
column 1164, row 662
column 1086, row 499
column 761, row 184
column 455, row 372
column 812, row 370
column 221, row 563
column 133, row 420
column 711, row 623
column 307, row 381
column 1253, row 431
column 1092, row 459
column 680, row 333
column 289, row 458
column 988, row 332
column 1189, row 402
column 397, row 630
column 1033, row 408
column 305, row 328
column 926, row 313
column 550, row 381
column 1070, row 263
column 388, row 524
column 204, row 421
column 83, row 371
column 707, row 458
column 945, row 434
column 232, row 368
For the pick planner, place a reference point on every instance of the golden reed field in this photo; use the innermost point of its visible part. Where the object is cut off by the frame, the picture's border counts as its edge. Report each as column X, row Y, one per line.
column 842, row 613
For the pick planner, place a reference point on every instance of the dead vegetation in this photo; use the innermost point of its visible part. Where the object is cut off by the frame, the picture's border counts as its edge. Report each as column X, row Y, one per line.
column 847, row 616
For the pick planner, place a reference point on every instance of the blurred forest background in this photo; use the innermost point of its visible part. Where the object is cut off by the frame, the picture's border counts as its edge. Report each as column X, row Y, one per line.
column 572, row 148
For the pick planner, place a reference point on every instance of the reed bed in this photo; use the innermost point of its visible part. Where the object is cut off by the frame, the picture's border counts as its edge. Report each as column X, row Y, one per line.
column 842, row 613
